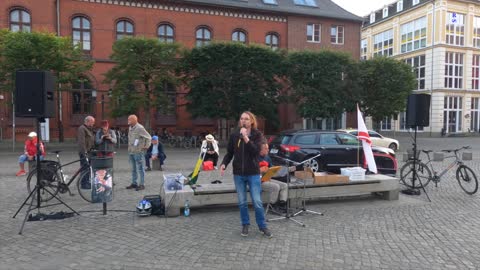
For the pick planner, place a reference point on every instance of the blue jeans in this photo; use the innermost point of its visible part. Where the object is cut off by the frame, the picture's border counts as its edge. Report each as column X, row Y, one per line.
column 23, row 158
column 255, row 187
column 137, row 161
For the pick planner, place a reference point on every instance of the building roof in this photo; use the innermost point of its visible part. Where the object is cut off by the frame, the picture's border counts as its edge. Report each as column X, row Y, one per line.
column 324, row 8
column 392, row 11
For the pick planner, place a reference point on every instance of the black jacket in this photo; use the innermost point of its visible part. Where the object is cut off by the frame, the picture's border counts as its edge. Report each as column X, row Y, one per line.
column 245, row 155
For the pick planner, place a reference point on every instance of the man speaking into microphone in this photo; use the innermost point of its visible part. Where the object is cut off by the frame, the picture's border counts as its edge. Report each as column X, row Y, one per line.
column 244, row 147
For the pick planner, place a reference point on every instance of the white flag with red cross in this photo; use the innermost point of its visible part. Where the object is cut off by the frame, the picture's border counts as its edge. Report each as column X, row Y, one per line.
column 366, row 142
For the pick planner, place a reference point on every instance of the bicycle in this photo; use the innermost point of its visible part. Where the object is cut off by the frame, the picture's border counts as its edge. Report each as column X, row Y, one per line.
column 465, row 176
column 54, row 179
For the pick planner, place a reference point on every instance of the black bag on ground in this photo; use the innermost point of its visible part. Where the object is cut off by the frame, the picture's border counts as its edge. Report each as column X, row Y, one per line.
column 156, row 202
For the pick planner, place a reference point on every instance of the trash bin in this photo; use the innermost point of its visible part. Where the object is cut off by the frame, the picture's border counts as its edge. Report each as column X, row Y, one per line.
column 102, row 188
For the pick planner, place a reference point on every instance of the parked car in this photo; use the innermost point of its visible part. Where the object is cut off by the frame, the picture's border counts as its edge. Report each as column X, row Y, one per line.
column 377, row 139
column 337, row 150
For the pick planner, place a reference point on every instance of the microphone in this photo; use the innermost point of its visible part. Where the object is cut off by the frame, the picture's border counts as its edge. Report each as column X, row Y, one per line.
column 240, row 137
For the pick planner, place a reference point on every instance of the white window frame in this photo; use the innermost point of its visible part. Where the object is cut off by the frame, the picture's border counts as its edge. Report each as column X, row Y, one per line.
column 413, row 35
column 314, row 26
column 372, row 17
column 453, row 70
column 363, row 49
column 386, row 123
column 476, row 72
column 415, row 2
column 475, row 114
column 452, row 110
column 476, row 32
column 399, row 5
column 418, row 64
column 335, row 37
column 455, row 29
column 385, row 12
column 383, row 43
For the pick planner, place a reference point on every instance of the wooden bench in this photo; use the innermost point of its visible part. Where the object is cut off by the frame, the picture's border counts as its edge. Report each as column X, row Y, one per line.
column 225, row 194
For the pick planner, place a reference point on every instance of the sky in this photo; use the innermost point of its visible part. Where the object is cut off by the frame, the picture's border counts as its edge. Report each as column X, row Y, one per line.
column 362, row 7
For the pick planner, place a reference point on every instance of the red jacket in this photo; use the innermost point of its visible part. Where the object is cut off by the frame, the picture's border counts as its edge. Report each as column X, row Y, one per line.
column 31, row 147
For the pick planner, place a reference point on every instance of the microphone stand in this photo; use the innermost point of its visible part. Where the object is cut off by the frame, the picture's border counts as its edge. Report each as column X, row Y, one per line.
column 288, row 216
column 304, row 209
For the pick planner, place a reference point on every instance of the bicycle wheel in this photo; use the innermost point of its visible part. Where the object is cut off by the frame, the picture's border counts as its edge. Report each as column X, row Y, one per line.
column 187, row 144
column 467, row 179
column 48, row 182
column 84, row 184
column 172, row 142
column 423, row 174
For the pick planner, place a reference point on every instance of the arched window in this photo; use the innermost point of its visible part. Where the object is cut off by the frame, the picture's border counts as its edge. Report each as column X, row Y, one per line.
column 124, row 28
column 203, row 36
column 272, row 41
column 20, row 21
column 82, row 96
column 239, row 36
column 81, row 32
column 165, row 33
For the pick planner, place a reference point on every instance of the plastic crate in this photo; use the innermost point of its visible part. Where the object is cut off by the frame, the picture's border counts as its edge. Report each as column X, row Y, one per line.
column 173, row 182
column 354, row 173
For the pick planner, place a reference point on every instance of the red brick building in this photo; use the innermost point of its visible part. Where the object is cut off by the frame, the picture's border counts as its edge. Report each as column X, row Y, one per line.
column 290, row 24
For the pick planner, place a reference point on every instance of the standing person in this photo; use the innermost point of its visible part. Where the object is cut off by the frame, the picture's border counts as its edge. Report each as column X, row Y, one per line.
column 244, row 147
column 155, row 151
column 105, row 139
column 277, row 190
column 138, row 142
column 86, row 141
column 30, row 152
column 210, row 149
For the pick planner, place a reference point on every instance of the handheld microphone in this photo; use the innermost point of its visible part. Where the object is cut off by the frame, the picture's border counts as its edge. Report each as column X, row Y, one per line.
column 240, row 137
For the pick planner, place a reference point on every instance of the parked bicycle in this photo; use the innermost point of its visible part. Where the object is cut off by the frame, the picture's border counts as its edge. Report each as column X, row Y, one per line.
column 465, row 176
column 54, row 179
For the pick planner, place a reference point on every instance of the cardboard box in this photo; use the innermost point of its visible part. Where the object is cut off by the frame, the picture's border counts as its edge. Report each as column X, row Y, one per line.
column 326, row 178
column 304, row 175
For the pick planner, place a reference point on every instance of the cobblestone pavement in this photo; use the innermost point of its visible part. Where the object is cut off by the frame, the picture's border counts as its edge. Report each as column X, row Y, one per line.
column 356, row 233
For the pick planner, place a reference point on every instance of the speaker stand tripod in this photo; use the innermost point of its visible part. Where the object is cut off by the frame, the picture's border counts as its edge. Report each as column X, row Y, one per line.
column 303, row 208
column 39, row 187
column 412, row 190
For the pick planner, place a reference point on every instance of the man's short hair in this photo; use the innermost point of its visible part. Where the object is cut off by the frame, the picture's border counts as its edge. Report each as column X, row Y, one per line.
column 88, row 119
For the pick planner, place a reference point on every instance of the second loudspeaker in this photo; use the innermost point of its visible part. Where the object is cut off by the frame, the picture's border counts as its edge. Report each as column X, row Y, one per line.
column 418, row 110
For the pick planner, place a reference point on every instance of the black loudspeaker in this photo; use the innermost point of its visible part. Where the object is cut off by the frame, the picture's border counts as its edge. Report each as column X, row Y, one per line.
column 34, row 91
column 418, row 110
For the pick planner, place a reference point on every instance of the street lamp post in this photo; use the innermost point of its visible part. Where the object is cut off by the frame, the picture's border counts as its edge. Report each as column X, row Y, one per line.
column 103, row 106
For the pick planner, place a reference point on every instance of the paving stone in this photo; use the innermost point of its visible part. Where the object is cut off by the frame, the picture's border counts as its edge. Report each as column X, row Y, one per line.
column 355, row 233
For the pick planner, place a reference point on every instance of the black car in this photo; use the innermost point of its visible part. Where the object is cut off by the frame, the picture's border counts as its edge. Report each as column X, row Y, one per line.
column 337, row 150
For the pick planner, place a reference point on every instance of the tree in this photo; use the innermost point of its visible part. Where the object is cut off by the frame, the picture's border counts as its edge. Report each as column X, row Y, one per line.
column 226, row 79
column 322, row 83
column 40, row 51
column 144, row 68
column 385, row 84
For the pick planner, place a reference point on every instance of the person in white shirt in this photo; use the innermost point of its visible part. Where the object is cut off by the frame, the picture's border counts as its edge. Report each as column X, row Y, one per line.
column 210, row 149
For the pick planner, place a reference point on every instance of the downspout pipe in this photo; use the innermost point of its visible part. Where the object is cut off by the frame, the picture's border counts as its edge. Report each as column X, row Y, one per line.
column 59, row 103
column 432, row 65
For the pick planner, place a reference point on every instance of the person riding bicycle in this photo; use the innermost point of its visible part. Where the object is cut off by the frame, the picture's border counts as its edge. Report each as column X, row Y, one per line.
column 30, row 152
